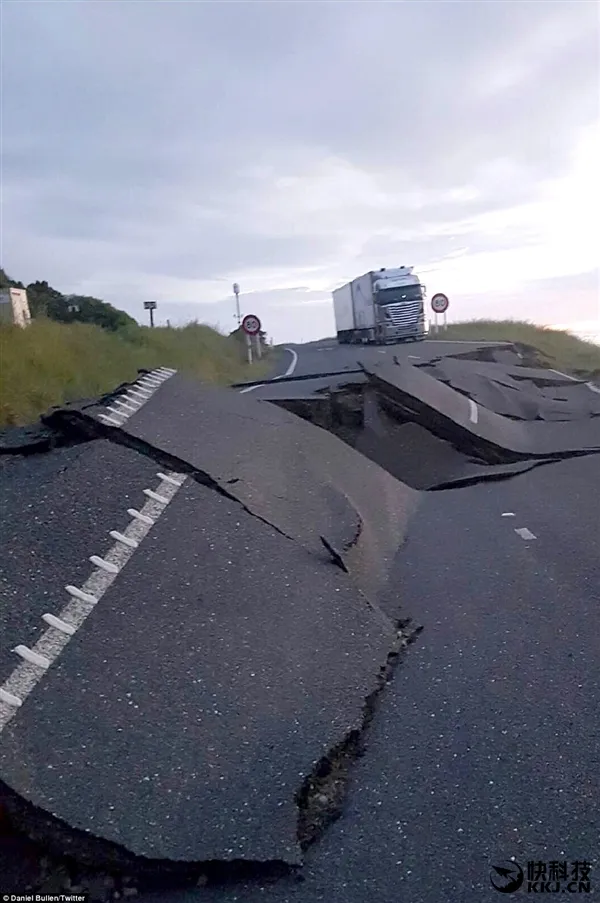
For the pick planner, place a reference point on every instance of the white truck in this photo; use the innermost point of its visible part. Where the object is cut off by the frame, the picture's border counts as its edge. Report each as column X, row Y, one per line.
column 383, row 306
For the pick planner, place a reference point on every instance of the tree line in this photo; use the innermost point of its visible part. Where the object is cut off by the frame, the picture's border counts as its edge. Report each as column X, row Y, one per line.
column 45, row 301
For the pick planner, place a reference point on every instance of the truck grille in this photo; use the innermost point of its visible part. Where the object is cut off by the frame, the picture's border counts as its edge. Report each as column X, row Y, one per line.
column 406, row 315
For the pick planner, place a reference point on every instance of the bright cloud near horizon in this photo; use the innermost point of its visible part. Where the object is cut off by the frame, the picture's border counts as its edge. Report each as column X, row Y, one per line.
column 165, row 150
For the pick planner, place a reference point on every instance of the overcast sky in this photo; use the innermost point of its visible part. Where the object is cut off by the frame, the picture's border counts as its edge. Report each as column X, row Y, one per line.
column 162, row 150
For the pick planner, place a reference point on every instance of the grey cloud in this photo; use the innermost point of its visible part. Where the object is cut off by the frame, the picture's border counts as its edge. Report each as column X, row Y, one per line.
column 143, row 138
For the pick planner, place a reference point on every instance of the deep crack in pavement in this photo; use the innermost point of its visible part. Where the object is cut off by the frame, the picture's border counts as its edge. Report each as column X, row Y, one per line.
column 334, row 465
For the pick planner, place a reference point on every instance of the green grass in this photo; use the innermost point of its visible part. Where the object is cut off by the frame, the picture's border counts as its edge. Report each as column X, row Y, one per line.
column 556, row 348
column 51, row 363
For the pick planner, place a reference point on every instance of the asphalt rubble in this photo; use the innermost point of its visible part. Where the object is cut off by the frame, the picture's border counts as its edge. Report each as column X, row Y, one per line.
column 413, row 427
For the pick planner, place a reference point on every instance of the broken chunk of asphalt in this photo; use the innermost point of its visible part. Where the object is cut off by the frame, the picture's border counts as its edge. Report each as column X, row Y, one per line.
column 301, row 480
column 418, row 396
column 224, row 626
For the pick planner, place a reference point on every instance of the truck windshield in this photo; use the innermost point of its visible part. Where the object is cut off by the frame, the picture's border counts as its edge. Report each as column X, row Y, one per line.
column 402, row 293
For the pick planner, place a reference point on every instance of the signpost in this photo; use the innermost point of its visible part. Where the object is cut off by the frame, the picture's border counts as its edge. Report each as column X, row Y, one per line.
column 236, row 292
column 251, row 326
column 151, row 306
column 439, row 305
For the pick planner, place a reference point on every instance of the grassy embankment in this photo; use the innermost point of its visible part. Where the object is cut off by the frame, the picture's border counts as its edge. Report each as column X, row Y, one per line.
column 556, row 348
column 50, row 363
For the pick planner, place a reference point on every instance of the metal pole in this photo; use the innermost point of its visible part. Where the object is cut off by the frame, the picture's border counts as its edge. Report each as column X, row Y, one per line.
column 445, row 323
column 249, row 344
column 258, row 348
column 151, row 317
column 236, row 292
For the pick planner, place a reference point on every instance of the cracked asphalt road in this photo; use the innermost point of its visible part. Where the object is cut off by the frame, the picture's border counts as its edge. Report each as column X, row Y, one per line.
column 484, row 746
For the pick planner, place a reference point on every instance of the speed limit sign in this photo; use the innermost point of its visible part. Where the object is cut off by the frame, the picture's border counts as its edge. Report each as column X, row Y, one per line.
column 251, row 324
column 439, row 303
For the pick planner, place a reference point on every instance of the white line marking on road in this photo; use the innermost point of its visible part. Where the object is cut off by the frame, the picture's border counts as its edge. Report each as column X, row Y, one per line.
column 126, row 540
column 288, row 372
column 81, row 594
column 415, row 357
column 83, row 600
column 138, row 394
column 167, row 479
column 508, row 514
column 139, row 516
column 59, row 624
column 153, row 381
column 110, row 420
column 9, row 699
column 156, row 496
column 524, row 533
column 34, row 658
column 566, row 375
column 124, row 404
column 107, row 566
column 473, row 412
column 591, row 386
column 292, row 366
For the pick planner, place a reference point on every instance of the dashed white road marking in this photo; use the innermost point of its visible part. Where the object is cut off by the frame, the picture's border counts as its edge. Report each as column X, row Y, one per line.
column 473, row 412
column 524, row 533
column 82, row 600
column 508, row 514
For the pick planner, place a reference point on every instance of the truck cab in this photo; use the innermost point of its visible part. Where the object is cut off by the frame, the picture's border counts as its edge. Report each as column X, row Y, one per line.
column 399, row 309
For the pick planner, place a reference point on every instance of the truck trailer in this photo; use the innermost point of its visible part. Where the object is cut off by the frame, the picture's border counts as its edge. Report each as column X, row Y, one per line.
column 383, row 306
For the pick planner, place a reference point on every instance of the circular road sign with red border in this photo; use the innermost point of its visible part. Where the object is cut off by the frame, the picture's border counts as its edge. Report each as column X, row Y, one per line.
column 251, row 324
column 439, row 303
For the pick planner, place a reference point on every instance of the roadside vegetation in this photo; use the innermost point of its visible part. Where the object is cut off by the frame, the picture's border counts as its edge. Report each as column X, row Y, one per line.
column 50, row 363
column 554, row 348
column 78, row 347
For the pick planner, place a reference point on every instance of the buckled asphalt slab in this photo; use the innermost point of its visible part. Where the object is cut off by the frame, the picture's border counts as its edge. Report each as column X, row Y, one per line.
column 300, row 479
column 451, row 415
column 527, row 394
column 207, row 670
